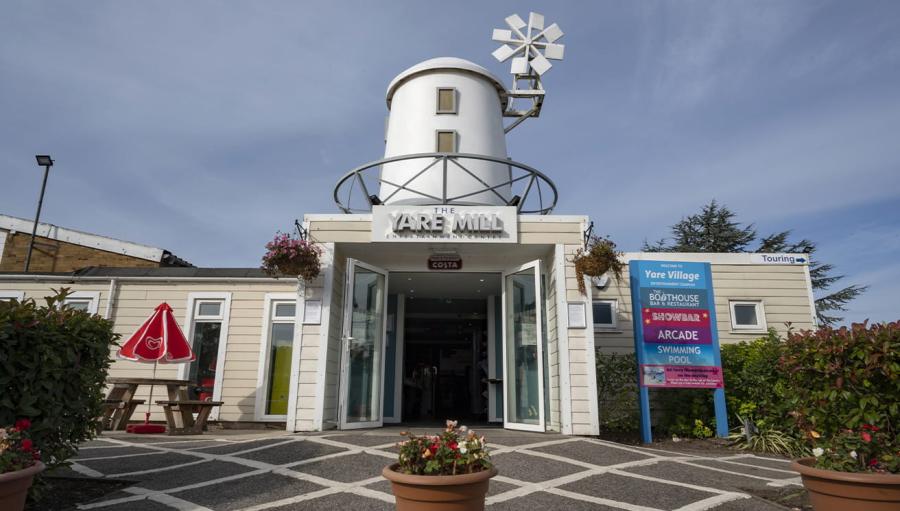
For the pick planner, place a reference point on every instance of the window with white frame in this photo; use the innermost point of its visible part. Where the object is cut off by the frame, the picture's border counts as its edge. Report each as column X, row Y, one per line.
column 86, row 301
column 446, row 141
column 605, row 312
column 748, row 315
column 6, row 294
column 446, row 100
column 278, row 353
column 206, row 327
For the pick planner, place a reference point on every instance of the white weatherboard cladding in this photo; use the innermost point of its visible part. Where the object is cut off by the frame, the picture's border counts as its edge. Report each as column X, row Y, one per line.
column 412, row 129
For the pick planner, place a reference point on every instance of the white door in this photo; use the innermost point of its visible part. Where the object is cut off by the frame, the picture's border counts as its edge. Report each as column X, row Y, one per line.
column 362, row 358
column 523, row 355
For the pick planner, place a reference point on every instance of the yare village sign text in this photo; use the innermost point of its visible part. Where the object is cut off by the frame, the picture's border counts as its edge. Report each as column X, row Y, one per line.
column 486, row 224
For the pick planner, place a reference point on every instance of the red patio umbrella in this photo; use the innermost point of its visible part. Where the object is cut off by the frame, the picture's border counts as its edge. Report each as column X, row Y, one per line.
column 158, row 340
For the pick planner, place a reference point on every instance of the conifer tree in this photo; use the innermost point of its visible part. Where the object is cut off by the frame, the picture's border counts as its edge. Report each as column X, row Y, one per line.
column 714, row 229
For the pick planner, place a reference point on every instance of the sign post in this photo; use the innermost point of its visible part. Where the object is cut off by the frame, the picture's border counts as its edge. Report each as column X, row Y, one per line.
column 675, row 334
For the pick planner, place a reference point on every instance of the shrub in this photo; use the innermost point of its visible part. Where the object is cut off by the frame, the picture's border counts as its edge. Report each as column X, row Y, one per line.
column 845, row 394
column 53, row 366
column 599, row 257
column 843, row 378
column 755, row 387
column 454, row 451
column 618, row 392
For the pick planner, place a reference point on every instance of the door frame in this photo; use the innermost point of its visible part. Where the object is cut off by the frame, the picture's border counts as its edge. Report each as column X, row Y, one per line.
column 352, row 264
column 540, row 426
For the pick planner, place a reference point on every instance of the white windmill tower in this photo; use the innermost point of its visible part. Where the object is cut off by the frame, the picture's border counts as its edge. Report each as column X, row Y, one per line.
column 445, row 140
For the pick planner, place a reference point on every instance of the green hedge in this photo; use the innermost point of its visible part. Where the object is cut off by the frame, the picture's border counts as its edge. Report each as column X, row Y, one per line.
column 53, row 366
column 821, row 381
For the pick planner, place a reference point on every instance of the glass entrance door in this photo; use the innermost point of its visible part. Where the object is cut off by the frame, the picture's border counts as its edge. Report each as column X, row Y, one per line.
column 362, row 360
column 523, row 356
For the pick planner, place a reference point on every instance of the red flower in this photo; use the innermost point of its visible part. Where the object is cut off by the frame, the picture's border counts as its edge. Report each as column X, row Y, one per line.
column 434, row 447
column 23, row 424
column 27, row 444
column 870, row 427
column 865, row 436
column 873, row 462
column 454, row 446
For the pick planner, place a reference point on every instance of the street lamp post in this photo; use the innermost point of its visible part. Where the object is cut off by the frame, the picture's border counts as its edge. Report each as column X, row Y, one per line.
column 46, row 162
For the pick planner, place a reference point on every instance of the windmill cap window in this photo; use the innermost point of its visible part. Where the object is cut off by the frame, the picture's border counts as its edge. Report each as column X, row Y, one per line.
column 446, row 100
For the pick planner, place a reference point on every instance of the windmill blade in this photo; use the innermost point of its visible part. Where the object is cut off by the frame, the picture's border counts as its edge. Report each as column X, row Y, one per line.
column 535, row 23
column 519, row 66
column 503, row 36
column 515, row 22
column 554, row 51
column 504, row 52
column 540, row 64
column 552, row 33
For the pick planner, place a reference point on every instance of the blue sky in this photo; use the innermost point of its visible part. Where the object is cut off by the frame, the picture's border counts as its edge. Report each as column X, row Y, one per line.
column 204, row 127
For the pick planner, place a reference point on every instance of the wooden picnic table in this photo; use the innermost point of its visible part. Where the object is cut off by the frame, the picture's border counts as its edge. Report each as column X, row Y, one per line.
column 124, row 389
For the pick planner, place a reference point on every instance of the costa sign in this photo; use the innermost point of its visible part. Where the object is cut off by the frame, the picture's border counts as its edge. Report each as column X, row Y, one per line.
column 445, row 262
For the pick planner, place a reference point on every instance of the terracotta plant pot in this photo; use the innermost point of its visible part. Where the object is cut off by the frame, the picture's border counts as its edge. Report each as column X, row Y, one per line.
column 14, row 487
column 830, row 490
column 439, row 493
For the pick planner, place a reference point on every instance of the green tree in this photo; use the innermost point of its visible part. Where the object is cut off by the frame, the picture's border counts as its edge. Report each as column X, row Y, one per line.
column 714, row 229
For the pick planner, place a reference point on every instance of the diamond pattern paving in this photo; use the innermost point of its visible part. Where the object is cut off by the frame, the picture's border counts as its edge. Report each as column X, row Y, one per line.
column 228, row 495
column 341, row 470
column 622, row 488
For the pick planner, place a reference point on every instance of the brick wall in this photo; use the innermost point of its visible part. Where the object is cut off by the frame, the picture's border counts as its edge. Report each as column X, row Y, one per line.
column 50, row 255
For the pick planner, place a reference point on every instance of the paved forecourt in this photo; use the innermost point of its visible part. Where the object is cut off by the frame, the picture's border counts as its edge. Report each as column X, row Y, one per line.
column 252, row 471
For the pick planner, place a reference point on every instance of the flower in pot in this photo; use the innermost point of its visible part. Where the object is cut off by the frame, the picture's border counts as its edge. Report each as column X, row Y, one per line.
column 855, row 469
column 20, row 461
column 598, row 258
column 288, row 255
column 450, row 470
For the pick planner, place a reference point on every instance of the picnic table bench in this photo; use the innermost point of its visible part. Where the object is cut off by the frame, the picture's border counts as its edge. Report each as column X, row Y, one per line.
column 120, row 402
column 186, row 408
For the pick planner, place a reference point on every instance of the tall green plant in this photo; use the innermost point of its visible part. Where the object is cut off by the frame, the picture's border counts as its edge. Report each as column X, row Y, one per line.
column 53, row 364
column 844, row 378
column 618, row 392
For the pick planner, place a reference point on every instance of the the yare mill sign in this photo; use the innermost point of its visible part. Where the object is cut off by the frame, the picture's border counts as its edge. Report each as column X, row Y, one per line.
column 485, row 224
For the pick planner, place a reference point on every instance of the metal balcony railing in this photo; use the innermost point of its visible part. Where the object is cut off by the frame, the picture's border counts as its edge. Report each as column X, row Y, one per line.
column 530, row 191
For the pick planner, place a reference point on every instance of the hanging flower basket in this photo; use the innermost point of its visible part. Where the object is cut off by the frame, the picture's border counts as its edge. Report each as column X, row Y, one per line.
column 288, row 255
column 599, row 257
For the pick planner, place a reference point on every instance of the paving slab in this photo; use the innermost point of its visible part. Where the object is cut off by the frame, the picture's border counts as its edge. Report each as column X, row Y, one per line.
column 247, row 491
column 681, row 473
column 592, row 453
column 776, row 463
column 760, row 472
column 129, row 450
column 532, row 469
column 233, row 447
column 366, row 440
column 636, row 491
column 346, row 469
column 544, row 501
column 338, row 501
column 137, row 463
column 291, row 453
column 137, row 505
column 178, row 477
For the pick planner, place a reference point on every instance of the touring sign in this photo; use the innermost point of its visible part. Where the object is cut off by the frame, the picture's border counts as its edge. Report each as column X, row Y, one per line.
column 485, row 224
column 675, row 335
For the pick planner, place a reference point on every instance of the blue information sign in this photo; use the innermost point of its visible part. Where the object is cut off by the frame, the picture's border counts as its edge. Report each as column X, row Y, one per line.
column 675, row 334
